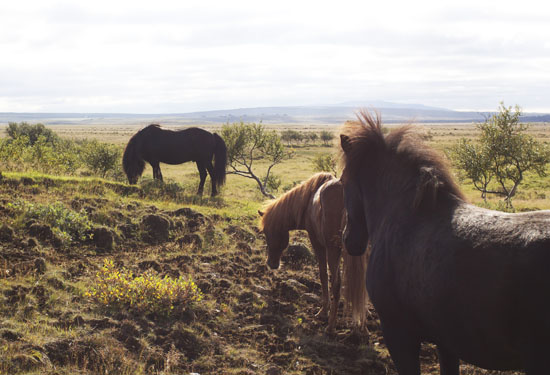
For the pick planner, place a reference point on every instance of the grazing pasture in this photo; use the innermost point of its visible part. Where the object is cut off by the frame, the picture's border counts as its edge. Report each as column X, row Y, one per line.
column 151, row 244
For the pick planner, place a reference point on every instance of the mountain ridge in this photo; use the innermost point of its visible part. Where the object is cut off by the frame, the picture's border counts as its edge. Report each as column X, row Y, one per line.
column 307, row 114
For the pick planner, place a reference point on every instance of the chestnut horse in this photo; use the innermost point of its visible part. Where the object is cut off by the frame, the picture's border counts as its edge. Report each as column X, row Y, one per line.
column 473, row 281
column 156, row 145
column 317, row 206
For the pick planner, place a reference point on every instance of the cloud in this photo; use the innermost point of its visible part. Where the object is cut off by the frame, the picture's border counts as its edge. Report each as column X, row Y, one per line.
column 182, row 56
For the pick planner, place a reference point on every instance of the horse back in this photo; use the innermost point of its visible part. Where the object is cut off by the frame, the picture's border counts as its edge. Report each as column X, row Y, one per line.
column 328, row 207
column 476, row 282
column 177, row 146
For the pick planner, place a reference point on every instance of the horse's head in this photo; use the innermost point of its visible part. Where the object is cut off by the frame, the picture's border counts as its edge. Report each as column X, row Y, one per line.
column 276, row 243
column 355, row 234
column 132, row 179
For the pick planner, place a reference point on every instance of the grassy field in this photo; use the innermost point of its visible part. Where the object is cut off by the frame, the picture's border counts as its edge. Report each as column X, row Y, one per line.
column 251, row 320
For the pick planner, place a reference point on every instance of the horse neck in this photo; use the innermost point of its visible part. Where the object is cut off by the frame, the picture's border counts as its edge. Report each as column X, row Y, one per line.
column 289, row 216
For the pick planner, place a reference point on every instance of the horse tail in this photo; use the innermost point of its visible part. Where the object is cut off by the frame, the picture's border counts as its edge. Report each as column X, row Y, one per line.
column 220, row 160
column 354, row 286
column 132, row 163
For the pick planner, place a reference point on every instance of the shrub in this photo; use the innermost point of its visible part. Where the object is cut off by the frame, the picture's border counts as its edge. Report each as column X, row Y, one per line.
column 101, row 158
column 32, row 132
column 67, row 224
column 119, row 288
column 326, row 163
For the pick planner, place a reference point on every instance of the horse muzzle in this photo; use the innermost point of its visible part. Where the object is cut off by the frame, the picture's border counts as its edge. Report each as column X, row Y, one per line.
column 273, row 264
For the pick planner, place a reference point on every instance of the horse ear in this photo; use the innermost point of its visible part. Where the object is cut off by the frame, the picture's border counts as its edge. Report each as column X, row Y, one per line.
column 427, row 187
column 261, row 213
column 345, row 142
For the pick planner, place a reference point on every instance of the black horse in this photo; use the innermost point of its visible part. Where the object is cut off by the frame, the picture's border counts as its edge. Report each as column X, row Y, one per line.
column 155, row 145
column 475, row 282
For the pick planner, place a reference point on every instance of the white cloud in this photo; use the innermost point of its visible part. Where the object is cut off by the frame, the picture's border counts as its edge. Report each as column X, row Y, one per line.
column 174, row 56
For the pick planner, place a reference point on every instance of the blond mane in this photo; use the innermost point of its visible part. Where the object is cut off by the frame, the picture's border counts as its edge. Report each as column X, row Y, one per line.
column 287, row 212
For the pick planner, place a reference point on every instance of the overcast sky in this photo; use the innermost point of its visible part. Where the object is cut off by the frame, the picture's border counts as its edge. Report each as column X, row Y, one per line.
column 183, row 56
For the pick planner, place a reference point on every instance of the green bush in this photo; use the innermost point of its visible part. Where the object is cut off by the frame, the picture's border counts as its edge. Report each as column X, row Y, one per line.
column 32, row 132
column 101, row 158
column 67, row 224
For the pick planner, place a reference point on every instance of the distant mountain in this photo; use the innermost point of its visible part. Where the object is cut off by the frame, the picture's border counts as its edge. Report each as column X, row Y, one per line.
column 328, row 114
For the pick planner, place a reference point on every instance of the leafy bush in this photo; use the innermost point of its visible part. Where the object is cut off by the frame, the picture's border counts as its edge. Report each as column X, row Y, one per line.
column 119, row 288
column 326, row 163
column 101, row 158
column 327, row 137
column 67, row 224
column 44, row 153
column 32, row 132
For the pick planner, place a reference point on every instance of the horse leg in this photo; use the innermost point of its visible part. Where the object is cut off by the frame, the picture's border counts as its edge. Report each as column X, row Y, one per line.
column 156, row 170
column 404, row 347
column 210, row 169
column 448, row 362
column 334, row 255
column 321, row 253
column 202, row 174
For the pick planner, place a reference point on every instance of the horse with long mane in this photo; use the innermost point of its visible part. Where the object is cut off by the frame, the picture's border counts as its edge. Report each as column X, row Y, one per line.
column 473, row 281
column 317, row 206
column 154, row 144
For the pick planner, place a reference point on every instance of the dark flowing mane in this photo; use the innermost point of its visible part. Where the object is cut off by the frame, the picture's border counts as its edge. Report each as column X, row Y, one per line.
column 292, row 205
column 432, row 175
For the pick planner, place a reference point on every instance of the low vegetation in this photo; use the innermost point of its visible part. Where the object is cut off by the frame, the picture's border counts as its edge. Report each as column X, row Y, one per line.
column 117, row 288
column 100, row 277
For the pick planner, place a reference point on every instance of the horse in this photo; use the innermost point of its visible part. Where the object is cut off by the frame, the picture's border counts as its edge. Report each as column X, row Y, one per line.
column 473, row 281
column 317, row 206
column 154, row 144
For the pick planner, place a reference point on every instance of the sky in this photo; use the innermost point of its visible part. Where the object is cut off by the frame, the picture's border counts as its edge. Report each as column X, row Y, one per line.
column 186, row 55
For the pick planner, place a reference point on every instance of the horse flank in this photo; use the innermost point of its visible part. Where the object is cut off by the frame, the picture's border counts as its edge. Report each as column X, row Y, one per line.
column 287, row 212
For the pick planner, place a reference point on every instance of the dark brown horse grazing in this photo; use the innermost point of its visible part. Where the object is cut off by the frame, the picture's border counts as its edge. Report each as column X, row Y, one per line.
column 473, row 281
column 317, row 205
column 156, row 145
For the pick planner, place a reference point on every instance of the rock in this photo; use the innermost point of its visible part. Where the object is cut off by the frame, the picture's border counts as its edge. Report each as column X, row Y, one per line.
column 32, row 243
column 103, row 238
column 41, row 231
column 188, row 239
column 297, row 255
column 156, row 228
column 240, row 233
column 128, row 230
column 311, row 298
column 40, row 265
column 6, row 233
column 273, row 370
column 10, row 335
column 292, row 289
column 146, row 264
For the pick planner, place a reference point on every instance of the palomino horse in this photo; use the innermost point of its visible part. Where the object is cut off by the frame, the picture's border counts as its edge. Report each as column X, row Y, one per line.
column 317, row 205
column 155, row 145
column 473, row 281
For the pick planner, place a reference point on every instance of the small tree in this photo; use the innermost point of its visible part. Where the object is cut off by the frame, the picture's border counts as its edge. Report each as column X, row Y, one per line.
column 504, row 152
column 313, row 137
column 33, row 132
column 247, row 143
column 326, row 137
column 100, row 158
column 325, row 163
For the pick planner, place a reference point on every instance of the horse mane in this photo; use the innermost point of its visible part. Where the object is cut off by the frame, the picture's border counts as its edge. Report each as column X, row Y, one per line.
column 292, row 205
column 132, row 163
column 432, row 176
